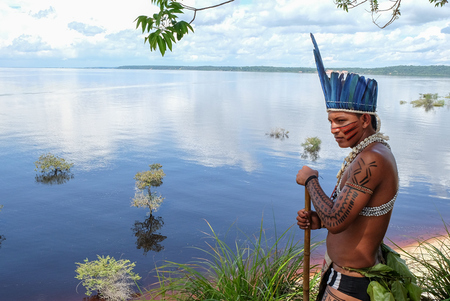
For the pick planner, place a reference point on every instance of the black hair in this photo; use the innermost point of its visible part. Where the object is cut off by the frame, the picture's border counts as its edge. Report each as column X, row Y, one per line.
column 373, row 120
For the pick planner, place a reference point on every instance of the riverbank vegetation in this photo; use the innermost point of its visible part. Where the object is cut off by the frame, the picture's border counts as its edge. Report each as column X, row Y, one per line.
column 441, row 71
column 112, row 279
column 430, row 262
column 263, row 267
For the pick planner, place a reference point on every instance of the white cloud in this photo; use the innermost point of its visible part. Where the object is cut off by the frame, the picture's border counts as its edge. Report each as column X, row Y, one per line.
column 265, row 32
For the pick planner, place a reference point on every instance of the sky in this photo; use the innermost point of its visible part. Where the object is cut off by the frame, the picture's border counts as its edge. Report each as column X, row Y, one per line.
column 100, row 33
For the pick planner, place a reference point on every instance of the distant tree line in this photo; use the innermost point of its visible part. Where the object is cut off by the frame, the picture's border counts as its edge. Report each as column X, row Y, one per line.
column 437, row 70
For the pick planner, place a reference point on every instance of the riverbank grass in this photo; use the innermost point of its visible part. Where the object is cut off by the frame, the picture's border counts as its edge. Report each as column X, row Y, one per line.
column 261, row 268
column 430, row 262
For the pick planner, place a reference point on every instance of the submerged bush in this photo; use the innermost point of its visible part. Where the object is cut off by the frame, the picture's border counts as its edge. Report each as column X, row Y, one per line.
column 254, row 270
column 113, row 280
column 278, row 133
column 51, row 164
column 311, row 148
column 145, row 180
column 428, row 101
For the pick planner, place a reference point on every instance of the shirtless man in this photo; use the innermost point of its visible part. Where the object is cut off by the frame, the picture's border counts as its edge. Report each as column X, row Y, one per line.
column 358, row 213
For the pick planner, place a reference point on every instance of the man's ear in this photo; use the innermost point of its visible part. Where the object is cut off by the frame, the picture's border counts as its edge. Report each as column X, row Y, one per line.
column 366, row 120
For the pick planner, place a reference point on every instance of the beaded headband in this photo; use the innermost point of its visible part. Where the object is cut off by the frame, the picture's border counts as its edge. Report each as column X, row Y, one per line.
column 351, row 93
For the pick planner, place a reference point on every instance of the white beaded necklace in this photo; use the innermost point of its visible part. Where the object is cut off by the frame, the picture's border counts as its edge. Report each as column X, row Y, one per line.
column 378, row 137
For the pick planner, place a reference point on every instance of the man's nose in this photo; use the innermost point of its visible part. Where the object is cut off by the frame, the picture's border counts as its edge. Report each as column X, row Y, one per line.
column 335, row 130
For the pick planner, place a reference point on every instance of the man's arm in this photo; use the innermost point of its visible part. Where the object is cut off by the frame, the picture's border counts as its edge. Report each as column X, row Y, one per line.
column 362, row 178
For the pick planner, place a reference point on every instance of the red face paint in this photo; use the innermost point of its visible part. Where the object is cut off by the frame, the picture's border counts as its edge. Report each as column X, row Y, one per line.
column 349, row 130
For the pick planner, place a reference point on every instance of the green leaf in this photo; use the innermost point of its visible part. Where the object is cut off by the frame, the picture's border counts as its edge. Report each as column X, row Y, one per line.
column 377, row 292
column 399, row 265
column 168, row 38
column 378, row 270
column 152, row 39
column 161, row 44
column 414, row 291
column 399, row 291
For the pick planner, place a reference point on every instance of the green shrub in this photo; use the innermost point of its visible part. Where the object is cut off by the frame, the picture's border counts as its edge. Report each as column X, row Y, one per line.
column 150, row 178
column 51, row 164
column 311, row 148
column 428, row 101
column 113, row 280
column 145, row 180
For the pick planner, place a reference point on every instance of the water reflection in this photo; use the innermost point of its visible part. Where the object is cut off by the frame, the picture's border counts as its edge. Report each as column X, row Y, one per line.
column 2, row 238
column 54, row 179
column 147, row 238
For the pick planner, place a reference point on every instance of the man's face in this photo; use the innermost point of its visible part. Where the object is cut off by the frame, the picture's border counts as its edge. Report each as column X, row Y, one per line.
column 345, row 127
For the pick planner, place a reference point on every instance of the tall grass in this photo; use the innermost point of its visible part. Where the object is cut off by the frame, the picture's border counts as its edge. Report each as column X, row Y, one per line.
column 431, row 264
column 262, row 268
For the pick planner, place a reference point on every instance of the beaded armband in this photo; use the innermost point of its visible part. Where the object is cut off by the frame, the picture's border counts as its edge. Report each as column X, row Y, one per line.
column 359, row 188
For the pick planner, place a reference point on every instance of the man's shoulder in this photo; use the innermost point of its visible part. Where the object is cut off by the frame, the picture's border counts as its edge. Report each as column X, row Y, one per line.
column 377, row 153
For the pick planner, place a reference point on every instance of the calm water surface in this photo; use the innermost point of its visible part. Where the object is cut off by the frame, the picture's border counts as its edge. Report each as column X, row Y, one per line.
column 208, row 130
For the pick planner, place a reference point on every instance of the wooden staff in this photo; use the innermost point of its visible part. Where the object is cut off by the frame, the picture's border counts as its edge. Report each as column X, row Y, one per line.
column 306, row 253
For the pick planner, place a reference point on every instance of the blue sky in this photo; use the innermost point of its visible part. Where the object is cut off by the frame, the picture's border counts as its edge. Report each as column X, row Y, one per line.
column 100, row 33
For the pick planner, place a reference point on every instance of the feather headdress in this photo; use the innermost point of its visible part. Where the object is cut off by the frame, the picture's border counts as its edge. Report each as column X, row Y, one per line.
column 346, row 93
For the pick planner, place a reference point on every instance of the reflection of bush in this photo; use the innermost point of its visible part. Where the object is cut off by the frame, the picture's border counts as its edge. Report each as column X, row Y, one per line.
column 50, row 179
column 311, row 148
column 2, row 238
column 147, row 239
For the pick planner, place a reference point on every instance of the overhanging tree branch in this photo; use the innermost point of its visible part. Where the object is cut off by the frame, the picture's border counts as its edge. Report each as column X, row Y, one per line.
column 163, row 28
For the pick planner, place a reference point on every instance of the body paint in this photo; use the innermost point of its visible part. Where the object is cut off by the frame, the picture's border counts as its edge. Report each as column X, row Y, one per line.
column 349, row 130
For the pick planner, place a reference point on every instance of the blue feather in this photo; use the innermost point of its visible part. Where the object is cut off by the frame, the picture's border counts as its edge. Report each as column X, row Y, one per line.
column 359, row 93
column 324, row 80
column 352, row 93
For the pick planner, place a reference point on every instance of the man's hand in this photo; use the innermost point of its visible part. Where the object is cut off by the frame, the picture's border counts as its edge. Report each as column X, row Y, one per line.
column 308, row 220
column 304, row 173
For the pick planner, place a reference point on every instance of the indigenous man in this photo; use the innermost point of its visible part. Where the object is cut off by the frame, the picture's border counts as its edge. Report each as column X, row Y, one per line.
column 357, row 214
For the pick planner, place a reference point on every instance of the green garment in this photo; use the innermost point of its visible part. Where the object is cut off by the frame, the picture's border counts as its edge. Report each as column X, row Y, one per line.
column 391, row 281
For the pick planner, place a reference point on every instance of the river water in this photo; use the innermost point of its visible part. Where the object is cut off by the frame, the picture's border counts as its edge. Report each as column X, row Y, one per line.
column 209, row 132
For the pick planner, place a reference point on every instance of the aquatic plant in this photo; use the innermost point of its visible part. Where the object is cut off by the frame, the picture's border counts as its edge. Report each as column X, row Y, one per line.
column 261, row 268
column 112, row 279
column 428, row 101
column 278, row 133
column 51, row 164
column 311, row 148
column 145, row 180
